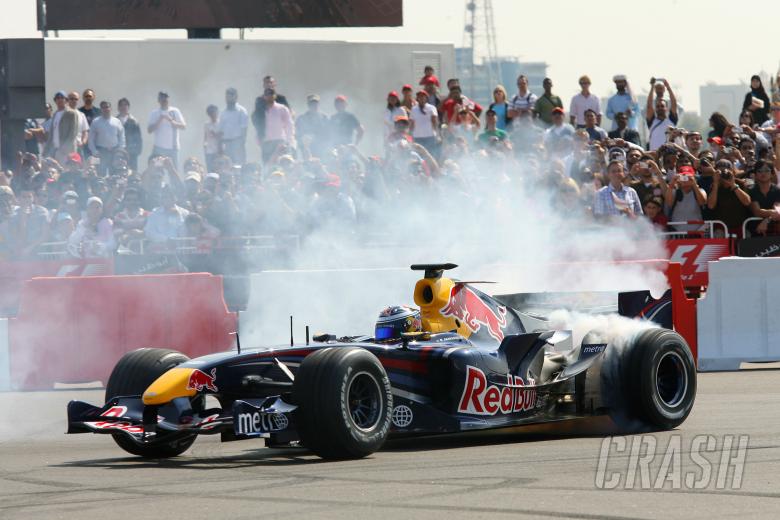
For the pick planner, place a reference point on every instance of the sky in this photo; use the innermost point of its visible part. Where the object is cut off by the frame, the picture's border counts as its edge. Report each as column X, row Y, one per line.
column 689, row 42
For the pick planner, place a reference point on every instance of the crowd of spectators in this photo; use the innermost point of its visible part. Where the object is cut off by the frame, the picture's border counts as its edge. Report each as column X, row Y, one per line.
column 82, row 183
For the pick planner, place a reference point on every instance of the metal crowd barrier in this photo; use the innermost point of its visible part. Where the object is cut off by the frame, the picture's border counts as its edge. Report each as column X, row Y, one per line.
column 706, row 229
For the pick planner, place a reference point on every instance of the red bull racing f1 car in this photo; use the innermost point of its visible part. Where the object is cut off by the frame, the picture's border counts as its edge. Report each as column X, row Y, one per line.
column 473, row 363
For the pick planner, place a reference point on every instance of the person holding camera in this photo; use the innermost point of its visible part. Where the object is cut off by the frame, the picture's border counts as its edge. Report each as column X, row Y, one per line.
column 685, row 199
column 660, row 115
column 765, row 199
column 727, row 201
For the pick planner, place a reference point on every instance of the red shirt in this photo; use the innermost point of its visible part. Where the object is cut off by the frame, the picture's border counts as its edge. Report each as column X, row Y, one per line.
column 430, row 79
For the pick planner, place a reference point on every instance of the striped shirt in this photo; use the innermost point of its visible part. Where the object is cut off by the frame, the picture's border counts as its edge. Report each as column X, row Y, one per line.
column 604, row 204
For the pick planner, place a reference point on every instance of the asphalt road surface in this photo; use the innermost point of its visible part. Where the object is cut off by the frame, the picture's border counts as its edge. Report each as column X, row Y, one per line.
column 508, row 474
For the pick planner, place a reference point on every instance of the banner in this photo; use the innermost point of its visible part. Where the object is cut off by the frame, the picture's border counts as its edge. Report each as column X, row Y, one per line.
column 759, row 246
column 693, row 255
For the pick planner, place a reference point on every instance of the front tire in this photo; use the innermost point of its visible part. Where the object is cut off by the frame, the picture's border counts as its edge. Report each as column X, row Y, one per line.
column 345, row 403
column 132, row 375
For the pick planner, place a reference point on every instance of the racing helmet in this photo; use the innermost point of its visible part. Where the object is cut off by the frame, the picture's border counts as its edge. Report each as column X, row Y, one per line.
column 395, row 320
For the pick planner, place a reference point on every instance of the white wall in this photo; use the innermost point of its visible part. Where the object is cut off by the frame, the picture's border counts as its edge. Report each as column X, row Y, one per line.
column 197, row 72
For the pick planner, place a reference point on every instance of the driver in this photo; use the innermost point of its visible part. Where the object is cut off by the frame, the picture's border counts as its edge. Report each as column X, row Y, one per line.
column 395, row 320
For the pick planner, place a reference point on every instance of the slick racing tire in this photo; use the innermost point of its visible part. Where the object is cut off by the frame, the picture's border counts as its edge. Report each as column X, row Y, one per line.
column 131, row 376
column 344, row 403
column 651, row 382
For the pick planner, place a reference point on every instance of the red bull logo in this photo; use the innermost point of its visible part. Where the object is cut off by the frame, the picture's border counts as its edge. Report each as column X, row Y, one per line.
column 200, row 380
column 466, row 306
column 479, row 398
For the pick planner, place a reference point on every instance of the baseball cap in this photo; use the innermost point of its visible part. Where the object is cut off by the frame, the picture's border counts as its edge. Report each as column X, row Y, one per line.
column 401, row 119
column 619, row 77
column 341, row 97
column 312, row 98
column 75, row 157
column 60, row 94
column 557, row 110
column 332, row 180
column 163, row 93
column 406, row 87
column 392, row 93
column 716, row 140
column 70, row 194
column 686, row 170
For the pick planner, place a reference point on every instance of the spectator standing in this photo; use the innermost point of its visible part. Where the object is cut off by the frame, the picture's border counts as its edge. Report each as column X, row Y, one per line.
column 165, row 123
column 258, row 116
column 133, row 138
column 82, row 136
column 622, row 131
column 425, row 123
column 524, row 101
column 279, row 129
column 757, row 100
column 595, row 132
column 53, row 127
column 623, row 101
column 765, row 198
column 559, row 129
column 583, row 101
column 346, row 127
column 660, row 116
column 94, row 234
column 429, row 77
column 311, row 129
column 547, row 102
column 394, row 109
column 211, row 137
column 89, row 110
column 106, row 137
column 492, row 133
column 616, row 199
column 166, row 221
column 408, row 100
column 130, row 221
column 727, row 201
column 684, row 199
column 653, row 209
column 29, row 226
column 433, row 93
column 501, row 108
column 233, row 126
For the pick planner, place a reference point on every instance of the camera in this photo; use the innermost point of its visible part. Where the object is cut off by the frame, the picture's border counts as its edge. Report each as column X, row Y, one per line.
column 726, row 176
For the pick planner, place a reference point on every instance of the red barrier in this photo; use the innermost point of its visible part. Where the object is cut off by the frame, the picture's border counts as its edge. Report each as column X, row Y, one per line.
column 74, row 330
column 693, row 254
column 14, row 273
column 683, row 309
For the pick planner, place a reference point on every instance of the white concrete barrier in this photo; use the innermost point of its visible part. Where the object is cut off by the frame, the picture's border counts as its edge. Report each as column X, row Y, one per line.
column 336, row 301
column 5, row 365
column 739, row 317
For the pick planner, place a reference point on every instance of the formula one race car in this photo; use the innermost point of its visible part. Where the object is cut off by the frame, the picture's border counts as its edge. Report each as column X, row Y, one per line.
column 476, row 364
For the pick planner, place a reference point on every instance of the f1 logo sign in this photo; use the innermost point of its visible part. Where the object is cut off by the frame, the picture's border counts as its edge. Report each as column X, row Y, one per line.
column 694, row 257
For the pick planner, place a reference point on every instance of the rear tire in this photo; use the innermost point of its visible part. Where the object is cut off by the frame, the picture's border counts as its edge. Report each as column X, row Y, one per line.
column 652, row 382
column 132, row 375
column 345, row 403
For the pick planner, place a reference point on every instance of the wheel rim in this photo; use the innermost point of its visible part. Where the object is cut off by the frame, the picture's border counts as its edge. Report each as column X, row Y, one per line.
column 671, row 379
column 364, row 401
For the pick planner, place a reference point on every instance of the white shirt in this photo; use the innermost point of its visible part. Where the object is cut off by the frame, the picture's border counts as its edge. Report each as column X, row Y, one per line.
column 580, row 103
column 423, row 126
column 523, row 101
column 278, row 123
column 166, row 136
column 233, row 123
column 211, row 138
column 657, row 132
column 83, row 127
column 55, row 128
